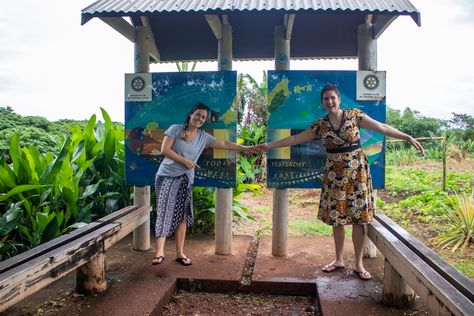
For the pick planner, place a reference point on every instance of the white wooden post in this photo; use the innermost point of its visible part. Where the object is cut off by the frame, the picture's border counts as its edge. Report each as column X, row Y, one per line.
column 367, row 54
column 223, row 229
column 141, row 235
column 280, row 196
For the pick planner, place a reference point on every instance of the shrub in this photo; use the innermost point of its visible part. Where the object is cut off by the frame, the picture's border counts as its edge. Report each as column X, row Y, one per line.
column 460, row 220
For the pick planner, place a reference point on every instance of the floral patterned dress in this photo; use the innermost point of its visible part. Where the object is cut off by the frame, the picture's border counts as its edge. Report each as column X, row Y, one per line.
column 347, row 194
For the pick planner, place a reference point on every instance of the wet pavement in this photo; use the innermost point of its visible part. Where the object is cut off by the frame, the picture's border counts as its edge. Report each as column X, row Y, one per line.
column 135, row 287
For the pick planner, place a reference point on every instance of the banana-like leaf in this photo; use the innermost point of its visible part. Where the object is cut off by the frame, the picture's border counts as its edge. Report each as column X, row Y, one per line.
column 19, row 189
column 10, row 219
column 71, row 200
column 91, row 189
column 15, row 152
column 32, row 165
column 8, row 177
column 53, row 168
column 51, row 231
column 109, row 139
column 78, row 151
column 26, row 232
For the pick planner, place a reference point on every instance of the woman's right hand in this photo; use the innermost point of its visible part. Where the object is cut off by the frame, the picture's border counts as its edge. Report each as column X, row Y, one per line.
column 189, row 163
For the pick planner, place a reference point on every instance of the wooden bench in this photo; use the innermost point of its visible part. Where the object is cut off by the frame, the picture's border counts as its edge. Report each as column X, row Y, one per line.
column 412, row 267
column 82, row 249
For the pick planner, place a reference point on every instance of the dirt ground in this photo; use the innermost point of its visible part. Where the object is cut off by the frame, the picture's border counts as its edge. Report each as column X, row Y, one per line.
column 238, row 304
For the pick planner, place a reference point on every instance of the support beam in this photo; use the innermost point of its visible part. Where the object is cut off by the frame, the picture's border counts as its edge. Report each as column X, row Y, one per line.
column 280, row 196
column 121, row 26
column 381, row 24
column 150, row 40
column 367, row 47
column 223, row 234
column 367, row 53
column 141, row 235
column 289, row 21
column 368, row 18
column 280, row 223
column 216, row 25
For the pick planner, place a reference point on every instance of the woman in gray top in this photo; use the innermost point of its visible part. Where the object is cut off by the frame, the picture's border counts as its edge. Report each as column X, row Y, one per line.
column 182, row 146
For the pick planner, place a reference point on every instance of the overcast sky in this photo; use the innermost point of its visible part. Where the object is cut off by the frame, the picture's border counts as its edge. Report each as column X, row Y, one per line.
column 52, row 66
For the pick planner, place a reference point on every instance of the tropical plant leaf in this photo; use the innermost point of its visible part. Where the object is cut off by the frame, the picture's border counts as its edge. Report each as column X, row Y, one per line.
column 51, row 230
column 11, row 218
column 53, row 168
column 20, row 189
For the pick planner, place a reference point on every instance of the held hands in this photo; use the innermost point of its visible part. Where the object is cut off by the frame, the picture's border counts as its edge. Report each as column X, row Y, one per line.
column 257, row 149
column 251, row 149
column 262, row 148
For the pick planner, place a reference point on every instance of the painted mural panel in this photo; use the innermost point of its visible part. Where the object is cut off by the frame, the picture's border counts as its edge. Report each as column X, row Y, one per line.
column 294, row 103
column 172, row 96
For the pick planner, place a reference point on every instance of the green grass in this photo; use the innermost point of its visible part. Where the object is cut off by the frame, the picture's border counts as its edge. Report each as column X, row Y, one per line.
column 407, row 179
column 262, row 209
column 424, row 210
column 312, row 228
column 463, row 261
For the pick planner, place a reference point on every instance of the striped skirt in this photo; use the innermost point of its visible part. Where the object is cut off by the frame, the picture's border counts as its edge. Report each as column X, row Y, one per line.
column 174, row 198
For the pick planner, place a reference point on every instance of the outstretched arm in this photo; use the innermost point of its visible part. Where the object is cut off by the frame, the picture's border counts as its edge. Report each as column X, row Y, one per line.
column 224, row 144
column 168, row 152
column 303, row 137
column 369, row 123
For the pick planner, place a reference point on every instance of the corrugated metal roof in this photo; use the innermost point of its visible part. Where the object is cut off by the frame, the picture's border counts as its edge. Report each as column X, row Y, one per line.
column 401, row 7
column 320, row 28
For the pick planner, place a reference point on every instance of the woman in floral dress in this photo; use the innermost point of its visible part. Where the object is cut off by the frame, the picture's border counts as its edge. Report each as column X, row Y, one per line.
column 347, row 194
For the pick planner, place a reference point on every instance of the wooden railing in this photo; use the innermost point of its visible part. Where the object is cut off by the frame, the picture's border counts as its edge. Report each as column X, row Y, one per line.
column 411, row 267
column 82, row 250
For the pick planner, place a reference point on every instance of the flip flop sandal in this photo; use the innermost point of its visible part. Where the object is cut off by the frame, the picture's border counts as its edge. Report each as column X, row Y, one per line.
column 331, row 268
column 159, row 260
column 184, row 261
column 364, row 276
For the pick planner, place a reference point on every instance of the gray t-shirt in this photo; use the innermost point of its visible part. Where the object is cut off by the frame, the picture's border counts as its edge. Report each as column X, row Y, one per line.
column 191, row 150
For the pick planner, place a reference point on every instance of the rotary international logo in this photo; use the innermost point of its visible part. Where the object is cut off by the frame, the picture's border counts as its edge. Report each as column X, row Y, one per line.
column 138, row 84
column 371, row 82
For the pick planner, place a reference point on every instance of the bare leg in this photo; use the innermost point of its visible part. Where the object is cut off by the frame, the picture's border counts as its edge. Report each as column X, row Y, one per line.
column 358, row 241
column 180, row 235
column 338, row 234
column 160, row 250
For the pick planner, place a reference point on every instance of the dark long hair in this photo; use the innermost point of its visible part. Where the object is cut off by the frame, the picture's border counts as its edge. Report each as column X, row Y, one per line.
column 330, row 87
column 197, row 106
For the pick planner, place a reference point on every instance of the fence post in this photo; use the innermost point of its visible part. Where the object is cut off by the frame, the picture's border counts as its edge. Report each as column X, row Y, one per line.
column 445, row 149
